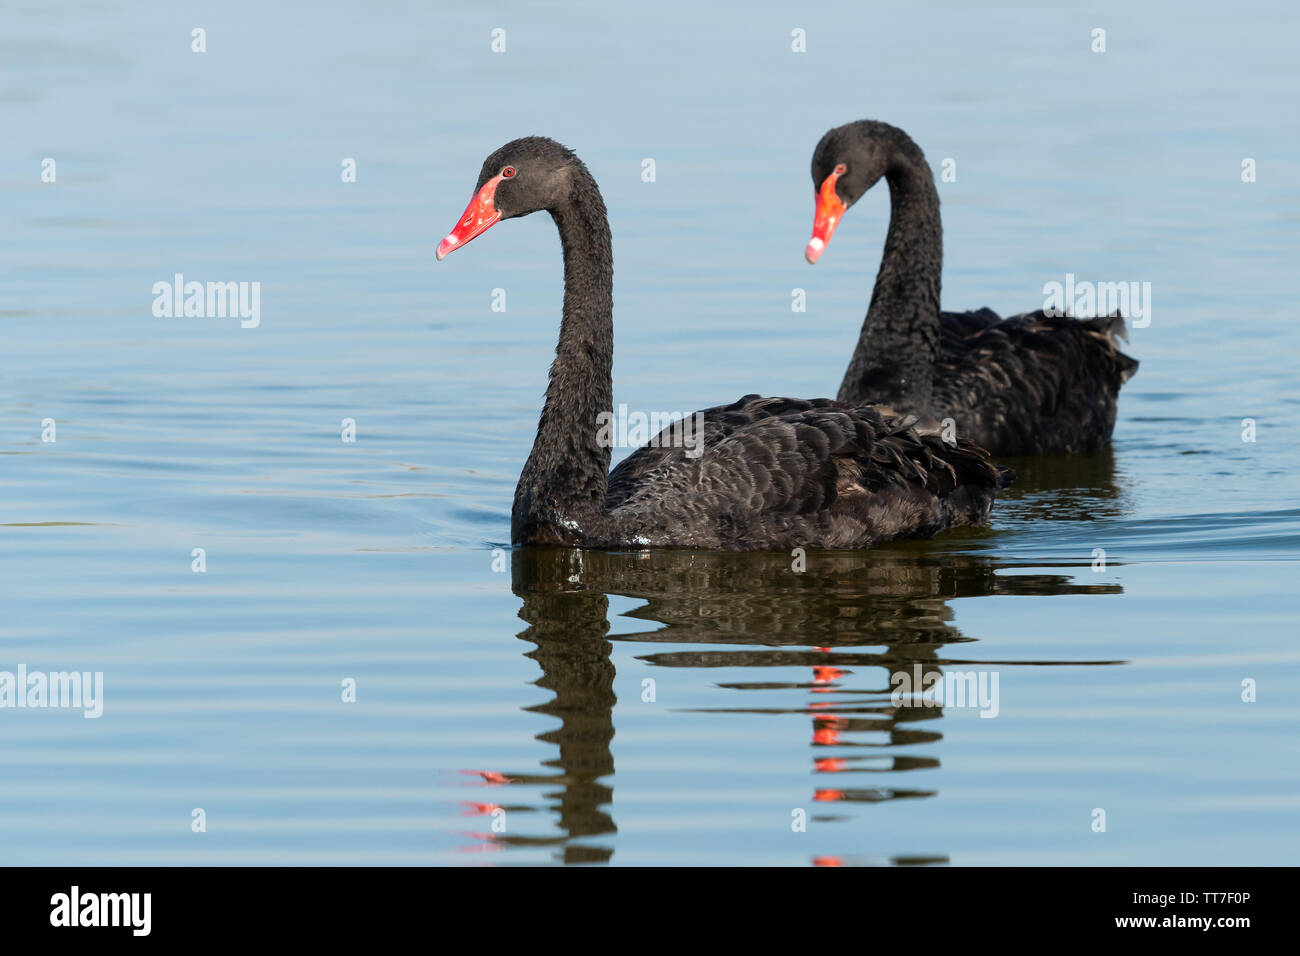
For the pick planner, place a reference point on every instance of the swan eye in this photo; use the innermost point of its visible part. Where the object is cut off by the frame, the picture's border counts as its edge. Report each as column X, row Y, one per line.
column 841, row 169
column 508, row 172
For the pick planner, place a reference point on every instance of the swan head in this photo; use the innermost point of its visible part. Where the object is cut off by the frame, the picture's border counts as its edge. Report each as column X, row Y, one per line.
column 522, row 177
column 847, row 162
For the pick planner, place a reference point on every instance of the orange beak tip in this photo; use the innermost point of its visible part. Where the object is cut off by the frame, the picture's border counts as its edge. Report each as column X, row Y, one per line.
column 830, row 209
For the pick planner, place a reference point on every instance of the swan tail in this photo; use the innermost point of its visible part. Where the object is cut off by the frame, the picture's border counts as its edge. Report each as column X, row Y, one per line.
column 1115, row 330
column 1111, row 330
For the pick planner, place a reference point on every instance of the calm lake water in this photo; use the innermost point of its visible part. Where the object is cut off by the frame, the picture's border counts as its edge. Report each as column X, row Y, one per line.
column 516, row 680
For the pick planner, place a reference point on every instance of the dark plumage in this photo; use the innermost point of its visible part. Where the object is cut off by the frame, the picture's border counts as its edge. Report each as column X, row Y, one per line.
column 792, row 473
column 1029, row 384
column 774, row 473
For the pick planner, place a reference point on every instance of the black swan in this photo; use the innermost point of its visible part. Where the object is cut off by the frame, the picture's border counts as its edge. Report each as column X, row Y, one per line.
column 772, row 473
column 1031, row 384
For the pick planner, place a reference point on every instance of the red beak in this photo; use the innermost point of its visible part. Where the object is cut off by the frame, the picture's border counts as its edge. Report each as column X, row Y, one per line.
column 480, row 215
column 830, row 210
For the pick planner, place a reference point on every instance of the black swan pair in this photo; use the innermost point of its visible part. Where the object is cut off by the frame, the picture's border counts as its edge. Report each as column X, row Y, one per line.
column 773, row 473
column 1031, row 384
column 780, row 473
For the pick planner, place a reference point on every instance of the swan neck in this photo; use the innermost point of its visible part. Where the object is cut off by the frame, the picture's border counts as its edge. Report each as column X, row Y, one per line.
column 563, row 484
column 898, row 345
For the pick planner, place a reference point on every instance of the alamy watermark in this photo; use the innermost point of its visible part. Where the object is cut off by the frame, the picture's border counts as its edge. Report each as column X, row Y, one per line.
column 1089, row 300
column 949, row 689
column 76, row 908
column 208, row 300
column 82, row 690
column 624, row 429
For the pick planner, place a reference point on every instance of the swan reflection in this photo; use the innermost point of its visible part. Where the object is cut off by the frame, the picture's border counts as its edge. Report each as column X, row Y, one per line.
column 854, row 620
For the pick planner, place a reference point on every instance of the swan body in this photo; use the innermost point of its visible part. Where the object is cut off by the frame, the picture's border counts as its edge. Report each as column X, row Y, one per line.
column 1031, row 384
